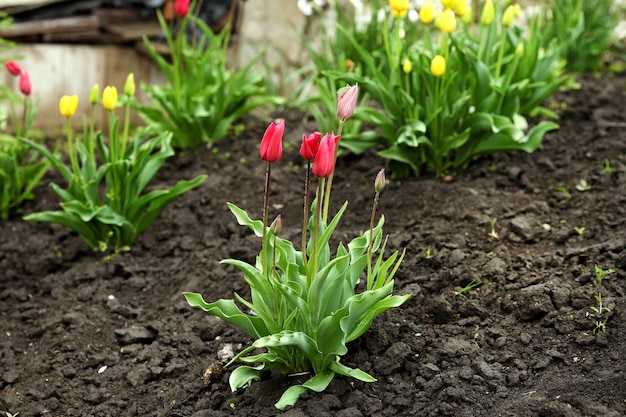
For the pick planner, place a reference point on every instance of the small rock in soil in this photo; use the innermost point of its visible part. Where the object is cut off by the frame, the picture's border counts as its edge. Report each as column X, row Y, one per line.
column 138, row 376
column 135, row 334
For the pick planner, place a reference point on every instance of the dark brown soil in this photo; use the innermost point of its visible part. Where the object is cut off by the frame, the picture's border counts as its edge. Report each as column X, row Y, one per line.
column 85, row 337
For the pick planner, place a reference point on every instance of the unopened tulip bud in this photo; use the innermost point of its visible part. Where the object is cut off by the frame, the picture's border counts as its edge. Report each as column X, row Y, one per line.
column 68, row 105
column 324, row 162
column 25, row 86
column 399, row 8
column 379, row 182
column 13, row 67
column 438, row 66
column 508, row 16
column 109, row 98
column 447, row 21
column 346, row 101
column 94, row 94
column 461, row 9
column 449, row 4
column 129, row 86
column 271, row 149
column 277, row 225
column 407, row 66
column 427, row 12
column 488, row 13
column 181, row 7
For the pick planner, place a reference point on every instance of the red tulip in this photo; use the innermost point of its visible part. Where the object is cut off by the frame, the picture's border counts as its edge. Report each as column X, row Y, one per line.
column 181, row 7
column 346, row 101
column 324, row 162
column 271, row 149
column 309, row 146
column 13, row 67
column 25, row 83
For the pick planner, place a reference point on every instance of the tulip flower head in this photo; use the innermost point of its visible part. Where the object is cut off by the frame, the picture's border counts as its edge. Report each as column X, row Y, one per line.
column 310, row 145
column 109, row 98
column 324, row 162
column 462, row 10
column 407, row 66
column 438, row 66
column 271, row 149
column 450, row 4
column 13, row 67
column 129, row 86
column 25, row 86
column 346, row 101
column 427, row 12
column 94, row 94
column 181, row 7
column 68, row 105
column 399, row 8
column 379, row 182
column 447, row 21
column 488, row 13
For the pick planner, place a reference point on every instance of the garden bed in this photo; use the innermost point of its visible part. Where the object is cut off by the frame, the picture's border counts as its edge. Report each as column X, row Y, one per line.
column 85, row 337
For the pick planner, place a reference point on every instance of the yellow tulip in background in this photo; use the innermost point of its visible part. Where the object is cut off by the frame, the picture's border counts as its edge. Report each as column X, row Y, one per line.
column 399, row 8
column 438, row 66
column 488, row 13
column 447, row 21
column 407, row 66
column 427, row 12
column 68, row 105
column 109, row 98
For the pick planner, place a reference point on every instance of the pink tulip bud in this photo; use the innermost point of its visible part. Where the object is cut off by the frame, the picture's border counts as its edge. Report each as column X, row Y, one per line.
column 181, row 7
column 271, row 149
column 309, row 146
column 25, row 86
column 324, row 162
column 13, row 67
column 277, row 225
column 379, row 182
column 346, row 101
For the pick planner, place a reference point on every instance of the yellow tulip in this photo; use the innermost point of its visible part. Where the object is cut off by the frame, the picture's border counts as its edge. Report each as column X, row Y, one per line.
column 399, row 8
column 462, row 8
column 68, row 105
column 508, row 16
column 407, row 66
column 450, row 4
column 447, row 21
column 427, row 12
column 109, row 98
column 438, row 66
column 488, row 13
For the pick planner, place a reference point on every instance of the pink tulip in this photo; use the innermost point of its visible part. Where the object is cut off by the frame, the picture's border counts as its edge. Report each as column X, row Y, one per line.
column 309, row 146
column 324, row 162
column 25, row 86
column 181, row 7
column 346, row 101
column 271, row 149
column 13, row 67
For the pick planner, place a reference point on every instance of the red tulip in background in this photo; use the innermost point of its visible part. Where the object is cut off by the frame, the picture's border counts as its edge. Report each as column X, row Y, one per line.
column 13, row 67
column 181, row 7
column 309, row 146
column 25, row 83
column 324, row 162
column 271, row 149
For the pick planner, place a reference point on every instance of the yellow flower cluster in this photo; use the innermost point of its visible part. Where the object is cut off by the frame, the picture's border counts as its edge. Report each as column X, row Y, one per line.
column 399, row 8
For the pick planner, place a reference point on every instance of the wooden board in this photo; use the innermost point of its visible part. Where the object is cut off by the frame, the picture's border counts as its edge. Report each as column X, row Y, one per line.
column 65, row 24
column 130, row 32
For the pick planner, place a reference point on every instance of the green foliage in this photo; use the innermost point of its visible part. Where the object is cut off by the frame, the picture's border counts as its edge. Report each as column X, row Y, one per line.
column 583, row 30
column 495, row 78
column 304, row 315
column 105, row 202
column 202, row 97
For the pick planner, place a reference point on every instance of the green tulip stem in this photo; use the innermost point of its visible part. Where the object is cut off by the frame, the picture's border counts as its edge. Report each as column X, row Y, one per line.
column 266, row 205
column 305, row 217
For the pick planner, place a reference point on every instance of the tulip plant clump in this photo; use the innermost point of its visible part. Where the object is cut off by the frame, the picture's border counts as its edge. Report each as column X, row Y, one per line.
column 304, row 305
column 105, row 201
column 21, row 169
column 448, row 89
column 202, row 97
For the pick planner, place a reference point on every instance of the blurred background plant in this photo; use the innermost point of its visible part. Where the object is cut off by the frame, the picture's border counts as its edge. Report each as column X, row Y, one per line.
column 21, row 169
column 583, row 29
column 446, row 89
column 105, row 202
column 203, row 97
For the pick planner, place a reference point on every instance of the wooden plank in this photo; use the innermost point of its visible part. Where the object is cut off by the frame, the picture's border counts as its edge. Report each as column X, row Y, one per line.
column 66, row 24
column 80, row 36
column 129, row 32
column 17, row 6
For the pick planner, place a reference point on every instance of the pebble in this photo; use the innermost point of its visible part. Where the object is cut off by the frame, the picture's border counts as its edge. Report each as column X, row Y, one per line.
column 135, row 334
